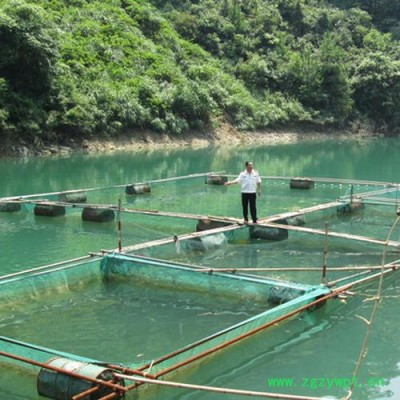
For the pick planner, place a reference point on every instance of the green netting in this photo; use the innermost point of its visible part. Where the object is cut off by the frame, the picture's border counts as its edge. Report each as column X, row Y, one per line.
column 28, row 286
column 177, row 277
column 18, row 289
column 212, row 342
column 244, row 287
column 140, row 271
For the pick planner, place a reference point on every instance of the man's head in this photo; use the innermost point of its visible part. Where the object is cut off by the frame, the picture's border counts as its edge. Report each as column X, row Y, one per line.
column 249, row 166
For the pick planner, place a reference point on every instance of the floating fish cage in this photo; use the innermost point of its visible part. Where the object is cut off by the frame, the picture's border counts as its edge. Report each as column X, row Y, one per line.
column 107, row 324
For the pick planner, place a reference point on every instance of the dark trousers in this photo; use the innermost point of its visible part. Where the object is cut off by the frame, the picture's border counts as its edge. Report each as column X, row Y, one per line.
column 249, row 199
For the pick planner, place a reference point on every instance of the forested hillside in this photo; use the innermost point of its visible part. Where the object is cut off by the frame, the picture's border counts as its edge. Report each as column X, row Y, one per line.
column 84, row 68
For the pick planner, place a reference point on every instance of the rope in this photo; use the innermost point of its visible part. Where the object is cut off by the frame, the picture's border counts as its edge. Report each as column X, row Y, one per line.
column 377, row 299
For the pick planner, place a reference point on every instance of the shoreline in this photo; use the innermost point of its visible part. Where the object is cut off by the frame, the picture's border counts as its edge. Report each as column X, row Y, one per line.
column 146, row 140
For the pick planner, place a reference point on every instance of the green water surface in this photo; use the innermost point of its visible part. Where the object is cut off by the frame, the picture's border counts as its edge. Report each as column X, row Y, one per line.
column 315, row 346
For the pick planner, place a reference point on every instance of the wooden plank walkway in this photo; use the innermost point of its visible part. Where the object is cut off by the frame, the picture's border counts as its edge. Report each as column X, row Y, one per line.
column 268, row 222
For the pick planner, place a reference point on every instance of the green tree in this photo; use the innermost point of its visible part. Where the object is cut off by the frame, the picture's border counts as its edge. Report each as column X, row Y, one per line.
column 376, row 83
column 28, row 48
column 335, row 87
column 27, row 64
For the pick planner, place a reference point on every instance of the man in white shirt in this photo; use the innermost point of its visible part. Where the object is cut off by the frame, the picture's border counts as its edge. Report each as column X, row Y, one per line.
column 250, row 186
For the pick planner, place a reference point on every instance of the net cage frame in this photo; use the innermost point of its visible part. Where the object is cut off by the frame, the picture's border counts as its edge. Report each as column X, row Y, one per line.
column 126, row 263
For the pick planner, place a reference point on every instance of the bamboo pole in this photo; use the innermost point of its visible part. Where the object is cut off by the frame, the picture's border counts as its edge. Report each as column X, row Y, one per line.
column 332, row 234
column 235, row 225
column 335, row 282
column 380, row 202
column 173, row 239
column 377, row 301
column 37, row 269
column 325, row 255
column 332, row 180
column 391, row 186
column 110, row 396
column 176, row 178
column 307, row 210
column 296, row 269
column 127, row 370
column 370, row 277
column 214, row 389
column 119, row 226
column 376, row 201
column 263, row 222
column 86, row 393
column 391, row 189
column 187, row 176
column 133, row 210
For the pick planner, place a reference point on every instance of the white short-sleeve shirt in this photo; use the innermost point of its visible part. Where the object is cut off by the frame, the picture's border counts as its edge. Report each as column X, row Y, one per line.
column 248, row 181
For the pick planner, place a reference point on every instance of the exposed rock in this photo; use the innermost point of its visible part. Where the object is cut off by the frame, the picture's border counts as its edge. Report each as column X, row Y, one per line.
column 225, row 134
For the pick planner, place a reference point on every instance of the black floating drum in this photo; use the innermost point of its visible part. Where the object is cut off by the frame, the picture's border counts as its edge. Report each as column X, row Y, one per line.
column 55, row 384
column 269, row 233
column 138, row 188
column 97, row 214
column 301, row 183
column 216, row 179
column 9, row 206
column 49, row 210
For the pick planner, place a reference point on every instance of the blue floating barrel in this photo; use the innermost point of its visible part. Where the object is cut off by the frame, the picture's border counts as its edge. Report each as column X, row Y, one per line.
column 97, row 214
column 138, row 188
column 59, row 386
column 49, row 210
column 6, row 206
column 269, row 233
column 73, row 197
column 216, row 179
column 301, row 183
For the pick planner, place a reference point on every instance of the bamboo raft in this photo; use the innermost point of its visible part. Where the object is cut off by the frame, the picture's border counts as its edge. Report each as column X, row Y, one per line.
column 288, row 299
